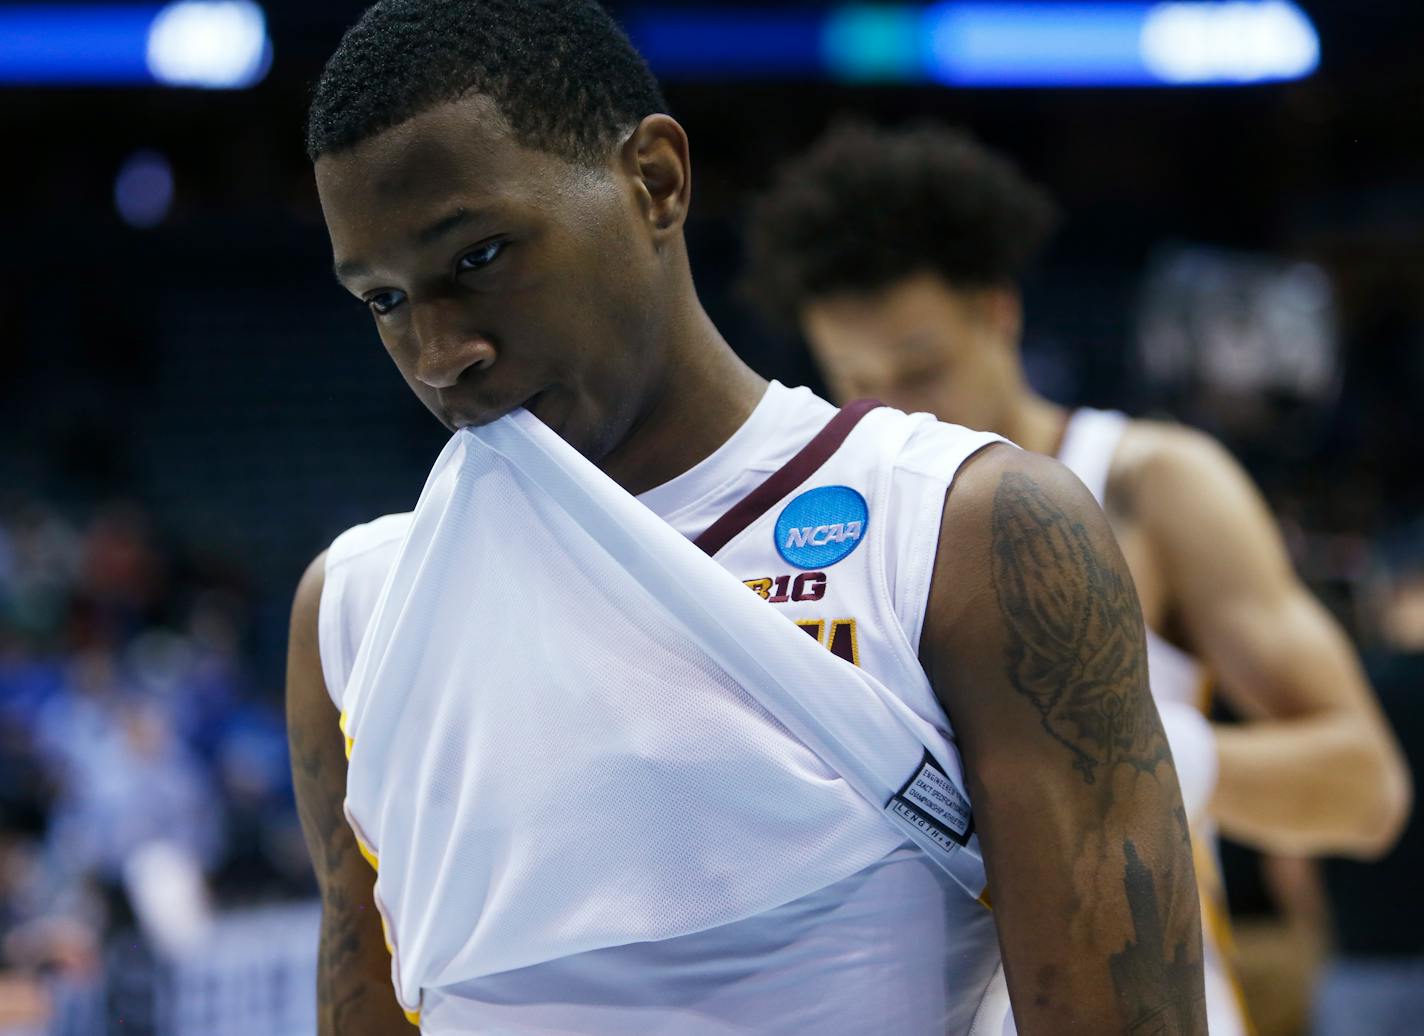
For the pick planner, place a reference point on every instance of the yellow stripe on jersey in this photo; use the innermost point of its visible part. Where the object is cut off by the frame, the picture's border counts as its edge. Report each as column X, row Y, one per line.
column 1218, row 926
column 369, row 855
column 1210, row 886
column 349, row 743
column 1205, row 693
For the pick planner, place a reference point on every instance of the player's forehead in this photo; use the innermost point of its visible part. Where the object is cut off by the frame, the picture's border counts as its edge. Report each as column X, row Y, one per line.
column 459, row 152
column 907, row 318
column 899, row 304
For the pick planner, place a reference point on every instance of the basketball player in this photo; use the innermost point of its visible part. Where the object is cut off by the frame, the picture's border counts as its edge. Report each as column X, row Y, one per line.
column 898, row 254
column 506, row 196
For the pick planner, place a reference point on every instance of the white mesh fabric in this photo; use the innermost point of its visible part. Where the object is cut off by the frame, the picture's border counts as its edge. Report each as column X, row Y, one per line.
column 553, row 750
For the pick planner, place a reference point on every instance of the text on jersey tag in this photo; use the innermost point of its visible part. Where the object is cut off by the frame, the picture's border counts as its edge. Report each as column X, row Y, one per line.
column 931, row 802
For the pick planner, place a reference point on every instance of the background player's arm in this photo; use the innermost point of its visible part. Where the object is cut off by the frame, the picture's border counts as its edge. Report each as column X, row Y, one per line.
column 354, row 995
column 1318, row 770
column 1034, row 641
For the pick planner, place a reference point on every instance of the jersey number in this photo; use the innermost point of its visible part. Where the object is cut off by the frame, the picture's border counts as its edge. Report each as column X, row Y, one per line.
column 843, row 642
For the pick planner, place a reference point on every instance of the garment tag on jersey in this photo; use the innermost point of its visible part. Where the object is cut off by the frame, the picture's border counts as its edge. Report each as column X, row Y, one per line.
column 931, row 802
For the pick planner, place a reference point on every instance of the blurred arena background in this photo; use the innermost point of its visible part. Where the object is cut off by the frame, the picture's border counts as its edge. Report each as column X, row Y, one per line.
column 190, row 409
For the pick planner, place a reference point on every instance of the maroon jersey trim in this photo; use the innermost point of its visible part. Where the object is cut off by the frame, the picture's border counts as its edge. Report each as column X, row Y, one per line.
column 790, row 475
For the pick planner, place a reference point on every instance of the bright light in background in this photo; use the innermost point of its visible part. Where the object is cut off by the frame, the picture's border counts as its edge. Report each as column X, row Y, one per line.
column 143, row 190
column 218, row 45
column 712, row 43
column 1228, row 42
column 223, row 44
column 871, row 42
column 1118, row 44
column 1034, row 44
column 995, row 43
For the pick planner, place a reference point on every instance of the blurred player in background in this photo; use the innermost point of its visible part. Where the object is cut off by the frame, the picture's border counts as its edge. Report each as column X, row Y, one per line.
column 899, row 256
column 505, row 196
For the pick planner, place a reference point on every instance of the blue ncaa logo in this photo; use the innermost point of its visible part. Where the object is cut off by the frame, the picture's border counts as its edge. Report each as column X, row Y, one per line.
column 822, row 526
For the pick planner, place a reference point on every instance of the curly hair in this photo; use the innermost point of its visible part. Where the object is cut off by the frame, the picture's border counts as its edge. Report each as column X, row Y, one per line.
column 868, row 206
column 560, row 72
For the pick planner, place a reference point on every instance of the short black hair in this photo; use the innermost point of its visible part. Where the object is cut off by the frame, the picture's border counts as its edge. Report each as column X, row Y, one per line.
column 868, row 206
column 560, row 72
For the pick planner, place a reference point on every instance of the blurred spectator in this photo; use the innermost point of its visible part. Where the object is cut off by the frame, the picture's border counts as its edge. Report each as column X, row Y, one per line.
column 136, row 759
column 125, row 778
column 24, row 1007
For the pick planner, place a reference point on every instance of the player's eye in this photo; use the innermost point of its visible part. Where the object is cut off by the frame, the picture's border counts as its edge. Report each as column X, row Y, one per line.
column 479, row 258
column 383, row 302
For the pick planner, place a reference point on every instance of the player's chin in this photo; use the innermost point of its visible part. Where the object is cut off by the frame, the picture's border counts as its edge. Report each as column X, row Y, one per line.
column 580, row 425
column 590, row 427
column 546, row 406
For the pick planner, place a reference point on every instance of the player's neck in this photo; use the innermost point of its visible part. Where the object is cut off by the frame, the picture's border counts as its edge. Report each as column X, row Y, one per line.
column 706, row 394
column 1034, row 423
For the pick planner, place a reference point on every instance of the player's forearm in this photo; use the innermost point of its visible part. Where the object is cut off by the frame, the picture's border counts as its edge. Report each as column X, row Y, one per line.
column 1314, row 785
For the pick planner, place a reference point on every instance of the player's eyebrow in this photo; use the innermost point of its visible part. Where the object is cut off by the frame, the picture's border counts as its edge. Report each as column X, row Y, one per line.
column 349, row 268
column 427, row 235
column 435, row 231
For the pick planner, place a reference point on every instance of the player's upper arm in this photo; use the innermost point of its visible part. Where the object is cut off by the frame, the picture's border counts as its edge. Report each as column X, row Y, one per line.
column 1275, row 650
column 354, row 994
column 1034, row 642
column 313, row 732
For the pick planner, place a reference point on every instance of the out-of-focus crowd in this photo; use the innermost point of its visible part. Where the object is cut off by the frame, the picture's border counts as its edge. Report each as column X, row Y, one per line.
column 143, row 773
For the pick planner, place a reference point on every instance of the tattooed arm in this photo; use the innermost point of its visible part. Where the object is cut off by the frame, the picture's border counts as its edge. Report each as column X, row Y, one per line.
column 1034, row 642
column 354, row 995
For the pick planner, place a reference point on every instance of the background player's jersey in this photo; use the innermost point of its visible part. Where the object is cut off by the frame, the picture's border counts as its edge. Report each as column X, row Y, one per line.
column 846, row 552
column 1089, row 443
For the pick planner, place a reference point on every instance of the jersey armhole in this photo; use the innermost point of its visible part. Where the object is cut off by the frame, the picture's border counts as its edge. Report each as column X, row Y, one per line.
column 329, row 632
column 921, row 494
column 340, row 624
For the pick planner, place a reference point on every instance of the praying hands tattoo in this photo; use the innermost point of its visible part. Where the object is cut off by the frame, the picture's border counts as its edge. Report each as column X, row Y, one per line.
column 1075, row 650
column 1076, row 645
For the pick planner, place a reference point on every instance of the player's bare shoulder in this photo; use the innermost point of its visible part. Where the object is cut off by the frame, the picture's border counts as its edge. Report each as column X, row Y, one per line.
column 1014, row 522
column 1155, row 456
column 1207, row 528
column 1160, row 465
column 303, row 646
column 990, row 477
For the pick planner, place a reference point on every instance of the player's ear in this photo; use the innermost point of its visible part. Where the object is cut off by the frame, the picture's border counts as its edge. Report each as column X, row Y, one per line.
column 1002, row 310
column 656, row 156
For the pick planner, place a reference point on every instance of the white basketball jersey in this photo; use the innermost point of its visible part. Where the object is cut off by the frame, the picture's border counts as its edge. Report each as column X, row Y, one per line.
column 1089, row 443
column 845, row 549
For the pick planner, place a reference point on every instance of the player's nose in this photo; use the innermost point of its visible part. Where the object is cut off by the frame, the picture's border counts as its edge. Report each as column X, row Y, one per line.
column 449, row 348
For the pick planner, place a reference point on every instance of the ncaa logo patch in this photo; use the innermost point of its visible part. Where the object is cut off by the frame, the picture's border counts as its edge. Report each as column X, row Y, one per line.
column 822, row 526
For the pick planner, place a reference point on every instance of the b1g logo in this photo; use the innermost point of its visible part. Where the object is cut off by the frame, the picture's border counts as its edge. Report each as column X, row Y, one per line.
column 822, row 526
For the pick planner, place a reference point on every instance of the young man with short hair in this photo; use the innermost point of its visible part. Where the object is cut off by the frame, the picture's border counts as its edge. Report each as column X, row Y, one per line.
column 506, row 194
